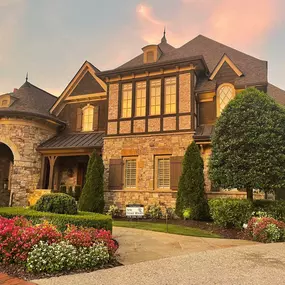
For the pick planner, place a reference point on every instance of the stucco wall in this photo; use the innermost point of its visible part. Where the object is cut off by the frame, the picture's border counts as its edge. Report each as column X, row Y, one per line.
column 23, row 137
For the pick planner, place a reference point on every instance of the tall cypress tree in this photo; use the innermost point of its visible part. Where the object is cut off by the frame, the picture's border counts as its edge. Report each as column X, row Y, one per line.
column 92, row 197
column 191, row 185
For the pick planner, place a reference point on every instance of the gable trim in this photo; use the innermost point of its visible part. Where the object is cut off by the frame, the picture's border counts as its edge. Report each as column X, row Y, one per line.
column 86, row 67
column 226, row 59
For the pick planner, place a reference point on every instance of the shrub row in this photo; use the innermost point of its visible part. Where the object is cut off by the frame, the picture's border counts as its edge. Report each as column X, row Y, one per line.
column 233, row 213
column 82, row 219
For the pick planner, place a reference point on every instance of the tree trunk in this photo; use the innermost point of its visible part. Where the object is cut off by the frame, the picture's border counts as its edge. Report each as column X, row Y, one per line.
column 249, row 194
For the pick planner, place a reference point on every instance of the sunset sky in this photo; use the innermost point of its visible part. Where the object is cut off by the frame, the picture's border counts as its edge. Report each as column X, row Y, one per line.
column 51, row 39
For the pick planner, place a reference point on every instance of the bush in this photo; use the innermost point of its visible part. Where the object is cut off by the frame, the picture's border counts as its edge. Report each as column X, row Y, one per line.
column 62, row 188
column 265, row 230
column 191, row 193
column 56, row 203
column 61, row 221
column 18, row 236
column 70, row 191
column 64, row 256
column 187, row 214
column 275, row 209
column 113, row 211
column 92, row 197
column 154, row 212
column 77, row 192
column 230, row 213
column 171, row 213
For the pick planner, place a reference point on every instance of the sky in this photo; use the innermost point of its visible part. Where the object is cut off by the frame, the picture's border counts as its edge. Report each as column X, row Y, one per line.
column 50, row 39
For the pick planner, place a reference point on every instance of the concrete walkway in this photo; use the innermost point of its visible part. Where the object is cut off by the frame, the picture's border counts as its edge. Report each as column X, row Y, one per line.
column 140, row 245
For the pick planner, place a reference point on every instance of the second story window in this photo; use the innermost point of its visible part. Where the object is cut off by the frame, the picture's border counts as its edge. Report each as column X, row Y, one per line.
column 140, row 98
column 155, row 97
column 225, row 93
column 87, row 118
column 127, row 100
column 150, row 56
column 170, row 95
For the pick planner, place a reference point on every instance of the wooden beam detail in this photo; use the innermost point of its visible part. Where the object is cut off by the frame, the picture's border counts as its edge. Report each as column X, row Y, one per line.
column 52, row 160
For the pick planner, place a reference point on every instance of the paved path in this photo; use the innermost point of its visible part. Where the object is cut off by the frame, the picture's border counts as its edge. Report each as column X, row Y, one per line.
column 8, row 280
column 246, row 265
column 140, row 245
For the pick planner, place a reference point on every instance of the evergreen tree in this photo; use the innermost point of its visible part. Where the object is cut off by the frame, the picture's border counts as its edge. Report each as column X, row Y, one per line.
column 249, row 144
column 92, row 197
column 191, row 185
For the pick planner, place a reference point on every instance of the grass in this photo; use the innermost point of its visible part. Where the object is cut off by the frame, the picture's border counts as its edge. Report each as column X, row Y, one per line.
column 172, row 229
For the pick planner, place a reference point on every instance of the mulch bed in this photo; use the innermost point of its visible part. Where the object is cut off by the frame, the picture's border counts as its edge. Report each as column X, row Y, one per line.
column 20, row 272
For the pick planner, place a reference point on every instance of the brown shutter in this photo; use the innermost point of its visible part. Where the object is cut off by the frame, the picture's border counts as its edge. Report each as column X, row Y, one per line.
column 79, row 120
column 96, row 118
column 175, row 171
column 116, row 174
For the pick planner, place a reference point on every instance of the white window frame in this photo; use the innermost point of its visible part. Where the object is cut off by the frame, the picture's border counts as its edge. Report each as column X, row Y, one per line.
column 87, row 126
column 127, row 100
column 157, row 186
column 126, row 184
column 219, row 90
column 170, row 95
column 155, row 97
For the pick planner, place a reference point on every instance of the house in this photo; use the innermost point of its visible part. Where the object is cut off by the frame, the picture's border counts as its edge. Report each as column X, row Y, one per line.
column 140, row 117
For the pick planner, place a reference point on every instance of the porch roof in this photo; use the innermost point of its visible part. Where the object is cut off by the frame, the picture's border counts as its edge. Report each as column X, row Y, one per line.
column 74, row 141
column 204, row 133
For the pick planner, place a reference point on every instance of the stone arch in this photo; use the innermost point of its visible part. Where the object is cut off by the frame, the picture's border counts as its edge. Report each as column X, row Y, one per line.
column 12, row 146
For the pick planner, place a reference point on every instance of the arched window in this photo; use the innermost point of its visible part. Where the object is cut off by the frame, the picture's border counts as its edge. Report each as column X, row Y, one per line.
column 225, row 93
column 88, row 118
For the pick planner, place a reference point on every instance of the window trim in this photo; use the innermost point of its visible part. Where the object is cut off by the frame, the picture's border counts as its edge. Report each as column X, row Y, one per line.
column 175, row 100
column 145, row 99
column 122, row 100
column 218, row 108
column 160, row 96
column 88, row 106
column 125, row 159
column 157, row 157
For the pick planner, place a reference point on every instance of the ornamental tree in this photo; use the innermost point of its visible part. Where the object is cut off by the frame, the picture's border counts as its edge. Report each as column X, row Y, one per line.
column 249, row 144
column 191, row 185
column 92, row 197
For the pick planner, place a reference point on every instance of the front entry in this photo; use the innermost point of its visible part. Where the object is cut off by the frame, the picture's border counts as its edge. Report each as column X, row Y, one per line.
column 6, row 164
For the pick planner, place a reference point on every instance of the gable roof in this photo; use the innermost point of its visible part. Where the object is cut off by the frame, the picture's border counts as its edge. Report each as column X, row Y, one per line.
column 30, row 99
column 77, row 86
column 276, row 93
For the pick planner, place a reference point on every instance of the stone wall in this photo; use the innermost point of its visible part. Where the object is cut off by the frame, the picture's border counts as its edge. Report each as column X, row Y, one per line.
column 145, row 148
column 23, row 137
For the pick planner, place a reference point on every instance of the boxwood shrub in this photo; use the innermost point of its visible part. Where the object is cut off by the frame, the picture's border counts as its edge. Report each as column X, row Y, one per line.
column 230, row 213
column 56, row 203
column 274, row 209
column 84, row 219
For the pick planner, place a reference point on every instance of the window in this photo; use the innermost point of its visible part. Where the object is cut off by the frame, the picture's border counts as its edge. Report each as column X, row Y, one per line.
column 150, row 56
column 170, row 95
column 155, row 95
column 140, row 98
column 130, row 173
column 163, row 172
column 127, row 101
column 4, row 103
column 87, row 119
column 225, row 93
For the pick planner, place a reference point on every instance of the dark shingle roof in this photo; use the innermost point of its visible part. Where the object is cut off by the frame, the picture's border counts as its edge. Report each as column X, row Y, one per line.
column 203, row 133
column 276, row 93
column 74, row 140
column 31, row 100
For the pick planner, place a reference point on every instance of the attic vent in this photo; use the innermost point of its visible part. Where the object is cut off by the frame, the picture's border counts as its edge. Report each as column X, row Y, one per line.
column 152, row 53
column 4, row 103
column 150, row 56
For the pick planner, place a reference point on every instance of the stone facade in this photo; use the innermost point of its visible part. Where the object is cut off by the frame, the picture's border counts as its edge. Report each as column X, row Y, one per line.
column 169, row 123
column 23, row 137
column 139, row 126
column 125, row 127
column 113, row 101
column 145, row 148
column 184, row 93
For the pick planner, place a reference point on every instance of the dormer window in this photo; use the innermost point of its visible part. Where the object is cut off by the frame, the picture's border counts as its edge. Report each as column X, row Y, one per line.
column 4, row 103
column 225, row 93
column 151, row 53
column 88, row 118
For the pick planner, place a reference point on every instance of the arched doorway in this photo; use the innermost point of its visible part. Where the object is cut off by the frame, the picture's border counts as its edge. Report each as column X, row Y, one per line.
column 6, row 164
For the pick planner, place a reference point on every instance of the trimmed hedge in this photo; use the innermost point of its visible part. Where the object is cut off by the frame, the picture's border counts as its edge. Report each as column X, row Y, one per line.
column 234, row 212
column 230, row 213
column 82, row 219
column 58, row 203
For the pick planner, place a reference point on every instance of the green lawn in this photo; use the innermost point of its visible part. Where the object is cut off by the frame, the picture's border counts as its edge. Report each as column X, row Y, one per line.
column 172, row 229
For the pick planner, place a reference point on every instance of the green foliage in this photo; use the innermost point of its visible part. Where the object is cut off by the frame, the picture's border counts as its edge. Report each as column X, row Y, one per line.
column 62, row 256
column 62, row 188
column 248, row 144
column 154, row 212
column 92, row 197
column 274, row 209
column 230, row 213
column 171, row 215
column 191, row 186
column 77, row 192
column 70, row 191
column 56, row 203
column 113, row 211
column 187, row 213
column 61, row 221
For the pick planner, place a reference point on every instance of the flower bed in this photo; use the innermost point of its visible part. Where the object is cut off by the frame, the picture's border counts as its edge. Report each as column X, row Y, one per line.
column 82, row 219
column 43, row 248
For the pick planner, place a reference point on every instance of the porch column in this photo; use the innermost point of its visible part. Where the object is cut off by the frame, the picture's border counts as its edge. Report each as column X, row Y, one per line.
column 41, row 184
column 52, row 160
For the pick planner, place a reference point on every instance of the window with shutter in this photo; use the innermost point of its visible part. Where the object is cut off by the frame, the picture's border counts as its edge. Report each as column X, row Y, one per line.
column 79, row 120
column 130, row 173
column 88, row 117
column 115, row 174
column 163, row 172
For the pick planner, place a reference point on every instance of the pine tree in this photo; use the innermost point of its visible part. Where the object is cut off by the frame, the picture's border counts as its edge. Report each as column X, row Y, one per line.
column 92, row 197
column 191, row 185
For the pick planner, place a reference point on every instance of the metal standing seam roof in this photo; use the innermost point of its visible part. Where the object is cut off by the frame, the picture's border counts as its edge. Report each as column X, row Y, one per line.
column 74, row 140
